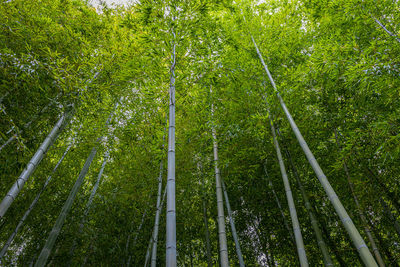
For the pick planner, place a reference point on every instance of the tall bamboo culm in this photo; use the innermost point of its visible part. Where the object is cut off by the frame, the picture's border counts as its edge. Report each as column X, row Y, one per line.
column 314, row 222
column 150, row 247
column 128, row 262
column 31, row 166
column 223, row 247
column 33, row 204
column 45, row 253
column 157, row 219
column 355, row 236
column 233, row 227
column 292, row 208
column 47, row 248
column 171, row 210
column 88, row 206
column 367, row 230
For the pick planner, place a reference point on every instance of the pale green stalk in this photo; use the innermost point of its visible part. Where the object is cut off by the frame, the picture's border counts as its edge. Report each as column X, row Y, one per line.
column 232, row 222
column 292, row 208
column 223, row 247
column 355, row 236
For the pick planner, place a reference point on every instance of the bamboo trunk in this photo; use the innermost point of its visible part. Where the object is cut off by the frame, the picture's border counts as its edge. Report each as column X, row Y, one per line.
column 171, row 210
column 157, row 219
column 390, row 215
column 359, row 210
column 292, row 208
column 232, row 222
column 135, row 239
column 28, row 124
column 355, row 236
column 45, row 253
column 386, row 30
column 33, row 204
column 152, row 240
column 89, row 205
column 205, row 218
column 12, row 138
column 314, row 222
column 31, row 166
column 223, row 246
column 278, row 203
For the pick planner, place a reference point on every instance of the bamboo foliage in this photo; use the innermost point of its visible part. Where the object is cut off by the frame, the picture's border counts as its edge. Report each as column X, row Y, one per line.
column 128, row 262
column 337, row 67
column 205, row 219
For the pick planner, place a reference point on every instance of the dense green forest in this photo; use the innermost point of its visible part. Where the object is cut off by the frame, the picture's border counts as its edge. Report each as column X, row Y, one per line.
column 200, row 133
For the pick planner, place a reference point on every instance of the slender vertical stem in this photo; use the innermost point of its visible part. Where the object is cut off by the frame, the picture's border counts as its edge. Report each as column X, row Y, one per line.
column 389, row 213
column 270, row 249
column 359, row 210
column 33, row 204
column 358, row 241
column 89, row 205
column 389, row 256
column 152, row 240
column 232, row 222
column 386, row 30
column 12, row 138
column 157, row 219
column 45, row 253
column 314, row 222
column 148, row 251
column 292, row 209
column 136, row 236
column 207, row 233
column 278, row 203
column 171, row 211
column 223, row 247
column 30, row 168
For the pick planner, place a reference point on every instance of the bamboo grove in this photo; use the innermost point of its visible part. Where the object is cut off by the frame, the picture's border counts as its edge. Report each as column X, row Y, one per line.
column 200, row 133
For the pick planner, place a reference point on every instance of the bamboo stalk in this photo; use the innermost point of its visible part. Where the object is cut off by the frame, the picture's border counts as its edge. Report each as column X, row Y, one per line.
column 171, row 209
column 355, row 236
column 223, row 247
column 33, row 204
column 232, row 222
column 31, row 166
column 292, row 208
